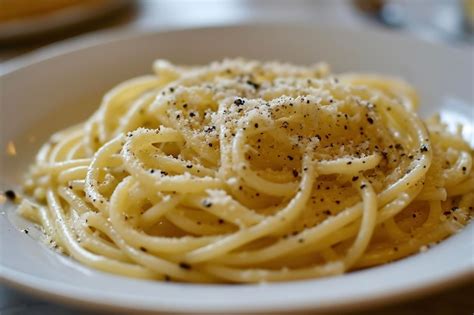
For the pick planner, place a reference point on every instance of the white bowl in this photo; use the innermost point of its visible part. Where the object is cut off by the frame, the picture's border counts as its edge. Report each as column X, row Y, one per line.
column 63, row 84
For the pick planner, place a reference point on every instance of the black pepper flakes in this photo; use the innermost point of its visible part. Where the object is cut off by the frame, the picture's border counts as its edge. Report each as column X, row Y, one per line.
column 207, row 203
column 10, row 194
column 184, row 265
column 239, row 102
column 253, row 84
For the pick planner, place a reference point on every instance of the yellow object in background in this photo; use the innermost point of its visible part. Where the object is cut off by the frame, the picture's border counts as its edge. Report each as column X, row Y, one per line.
column 22, row 9
column 469, row 14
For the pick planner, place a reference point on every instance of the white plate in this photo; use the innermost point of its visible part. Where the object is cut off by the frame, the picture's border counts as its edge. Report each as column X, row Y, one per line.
column 63, row 84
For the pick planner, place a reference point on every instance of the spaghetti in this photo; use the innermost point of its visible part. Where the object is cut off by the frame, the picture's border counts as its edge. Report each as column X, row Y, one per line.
column 242, row 171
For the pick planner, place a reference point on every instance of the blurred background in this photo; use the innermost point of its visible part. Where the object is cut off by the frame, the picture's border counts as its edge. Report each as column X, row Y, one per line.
column 28, row 25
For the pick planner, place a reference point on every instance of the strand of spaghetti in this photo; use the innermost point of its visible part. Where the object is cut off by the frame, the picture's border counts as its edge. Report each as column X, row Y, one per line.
column 96, row 244
column 348, row 165
column 448, row 141
column 398, row 204
column 467, row 200
column 119, row 96
column 77, row 184
column 201, row 98
column 385, row 216
column 140, row 239
column 74, row 200
column 434, row 214
column 175, row 165
column 318, row 234
column 179, row 218
column 64, row 145
column 179, row 183
column 39, row 215
column 282, row 218
column 75, row 250
column 78, row 172
column 241, row 166
column 404, row 248
column 153, row 214
column 259, row 275
column 99, row 160
column 43, row 153
column 224, row 207
column 369, row 219
column 459, row 171
column 151, row 262
column 392, row 86
column 461, row 188
column 433, row 193
column 136, row 115
column 91, row 139
column 393, row 230
column 57, row 167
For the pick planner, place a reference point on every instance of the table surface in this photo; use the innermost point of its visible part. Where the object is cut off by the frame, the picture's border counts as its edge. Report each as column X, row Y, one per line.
column 162, row 14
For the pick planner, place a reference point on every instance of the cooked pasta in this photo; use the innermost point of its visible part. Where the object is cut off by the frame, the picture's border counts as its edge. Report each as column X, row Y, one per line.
column 243, row 171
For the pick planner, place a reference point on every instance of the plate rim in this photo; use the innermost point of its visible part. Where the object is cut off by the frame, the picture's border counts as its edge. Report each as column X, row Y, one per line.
column 55, row 291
